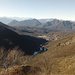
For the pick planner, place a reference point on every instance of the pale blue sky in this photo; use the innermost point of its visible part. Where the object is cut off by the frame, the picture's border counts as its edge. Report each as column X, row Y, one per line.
column 61, row 9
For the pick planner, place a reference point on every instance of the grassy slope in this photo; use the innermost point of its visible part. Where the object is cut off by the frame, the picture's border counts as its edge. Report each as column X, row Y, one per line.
column 59, row 59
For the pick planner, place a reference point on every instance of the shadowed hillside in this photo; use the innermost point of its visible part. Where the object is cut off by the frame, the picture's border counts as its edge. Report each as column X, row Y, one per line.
column 10, row 40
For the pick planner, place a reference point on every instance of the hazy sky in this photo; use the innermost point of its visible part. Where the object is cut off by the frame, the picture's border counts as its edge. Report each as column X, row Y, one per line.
column 61, row 9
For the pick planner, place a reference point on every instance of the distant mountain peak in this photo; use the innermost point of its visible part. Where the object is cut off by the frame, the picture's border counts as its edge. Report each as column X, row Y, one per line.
column 29, row 23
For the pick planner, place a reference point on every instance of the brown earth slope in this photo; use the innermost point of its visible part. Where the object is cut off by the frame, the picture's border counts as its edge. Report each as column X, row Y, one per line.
column 59, row 59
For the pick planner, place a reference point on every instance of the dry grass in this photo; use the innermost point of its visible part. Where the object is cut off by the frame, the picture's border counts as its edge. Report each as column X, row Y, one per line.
column 13, row 62
column 21, row 70
column 59, row 59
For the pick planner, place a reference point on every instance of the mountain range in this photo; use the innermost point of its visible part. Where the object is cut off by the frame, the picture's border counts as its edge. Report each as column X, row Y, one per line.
column 54, row 24
column 25, row 23
column 40, row 23
column 59, row 25
column 6, row 20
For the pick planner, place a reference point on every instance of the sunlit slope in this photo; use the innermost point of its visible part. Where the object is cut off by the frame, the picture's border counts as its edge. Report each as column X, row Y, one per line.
column 59, row 59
